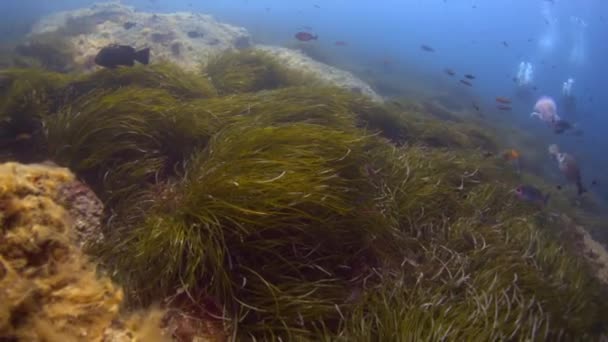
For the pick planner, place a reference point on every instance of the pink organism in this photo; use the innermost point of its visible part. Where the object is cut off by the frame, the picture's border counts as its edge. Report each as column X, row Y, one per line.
column 546, row 110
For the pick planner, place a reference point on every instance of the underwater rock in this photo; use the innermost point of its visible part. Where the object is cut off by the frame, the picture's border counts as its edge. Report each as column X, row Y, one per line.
column 85, row 209
column 341, row 78
column 183, row 38
column 156, row 31
column 49, row 289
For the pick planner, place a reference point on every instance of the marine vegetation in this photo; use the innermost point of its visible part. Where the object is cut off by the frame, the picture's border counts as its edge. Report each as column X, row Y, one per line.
column 50, row 290
column 251, row 70
column 306, row 212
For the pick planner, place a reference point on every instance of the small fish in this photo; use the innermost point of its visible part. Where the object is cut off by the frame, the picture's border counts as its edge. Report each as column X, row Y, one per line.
column 476, row 107
column 558, row 187
column 340, row 43
column 128, row 25
column 305, row 36
column 467, row 83
column 531, row 194
column 427, row 48
column 112, row 56
column 594, row 182
column 23, row 137
column 511, row 154
column 469, row 76
column 195, row 34
column 449, row 71
column 504, row 107
column 569, row 167
column 560, row 126
column 503, row 100
column 317, row 6
column 505, row 43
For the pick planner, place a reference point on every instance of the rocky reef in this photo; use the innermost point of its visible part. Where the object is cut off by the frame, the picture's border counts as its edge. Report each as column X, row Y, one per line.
column 49, row 288
column 248, row 199
column 186, row 39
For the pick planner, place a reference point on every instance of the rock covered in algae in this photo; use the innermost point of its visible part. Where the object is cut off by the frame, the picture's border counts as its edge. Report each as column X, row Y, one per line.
column 49, row 290
column 297, row 60
column 183, row 38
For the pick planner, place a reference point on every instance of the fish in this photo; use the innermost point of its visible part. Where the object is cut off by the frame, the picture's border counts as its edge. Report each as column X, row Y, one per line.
column 504, row 107
column 427, row 48
column 128, row 25
column 305, row 36
column 570, row 169
column 529, row 193
column 469, row 76
column 340, row 43
column 511, row 154
column 195, row 34
column 560, row 126
column 504, row 100
column 112, row 56
column 449, row 71
column 467, row 83
column 505, row 43
column 476, row 107
column 317, row 6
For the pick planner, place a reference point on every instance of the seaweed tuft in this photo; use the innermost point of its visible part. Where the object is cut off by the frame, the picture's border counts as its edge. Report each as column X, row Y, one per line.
column 234, row 72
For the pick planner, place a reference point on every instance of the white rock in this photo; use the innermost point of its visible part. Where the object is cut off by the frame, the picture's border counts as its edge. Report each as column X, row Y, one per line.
column 184, row 38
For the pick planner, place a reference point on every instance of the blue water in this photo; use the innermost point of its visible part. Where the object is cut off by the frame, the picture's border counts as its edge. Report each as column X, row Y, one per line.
column 467, row 36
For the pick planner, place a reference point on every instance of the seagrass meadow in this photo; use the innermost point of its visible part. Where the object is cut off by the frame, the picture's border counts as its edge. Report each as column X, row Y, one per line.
column 287, row 209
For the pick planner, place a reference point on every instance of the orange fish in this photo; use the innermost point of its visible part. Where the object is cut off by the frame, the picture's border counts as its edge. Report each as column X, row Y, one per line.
column 503, row 100
column 511, row 154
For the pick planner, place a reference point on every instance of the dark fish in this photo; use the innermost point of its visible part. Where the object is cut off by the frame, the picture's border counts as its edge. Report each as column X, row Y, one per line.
column 128, row 25
column 504, row 100
column 340, row 43
column 427, row 48
column 569, row 167
column 317, row 6
column 504, row 107
column 449, row 71
column 594, row 182
column 467, row 83
column 305, row 36
column 505, row 43
column 476, row 107
column 195, row 34
column 112, row 56
column 531, row 194
column 560, row 126
column 469, row 76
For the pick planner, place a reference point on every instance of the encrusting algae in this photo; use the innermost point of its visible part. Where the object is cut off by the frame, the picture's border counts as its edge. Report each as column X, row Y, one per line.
column 49, row 290
column 277, row 211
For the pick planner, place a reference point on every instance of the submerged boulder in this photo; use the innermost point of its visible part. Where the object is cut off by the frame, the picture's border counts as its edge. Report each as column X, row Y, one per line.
column 184, row 38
